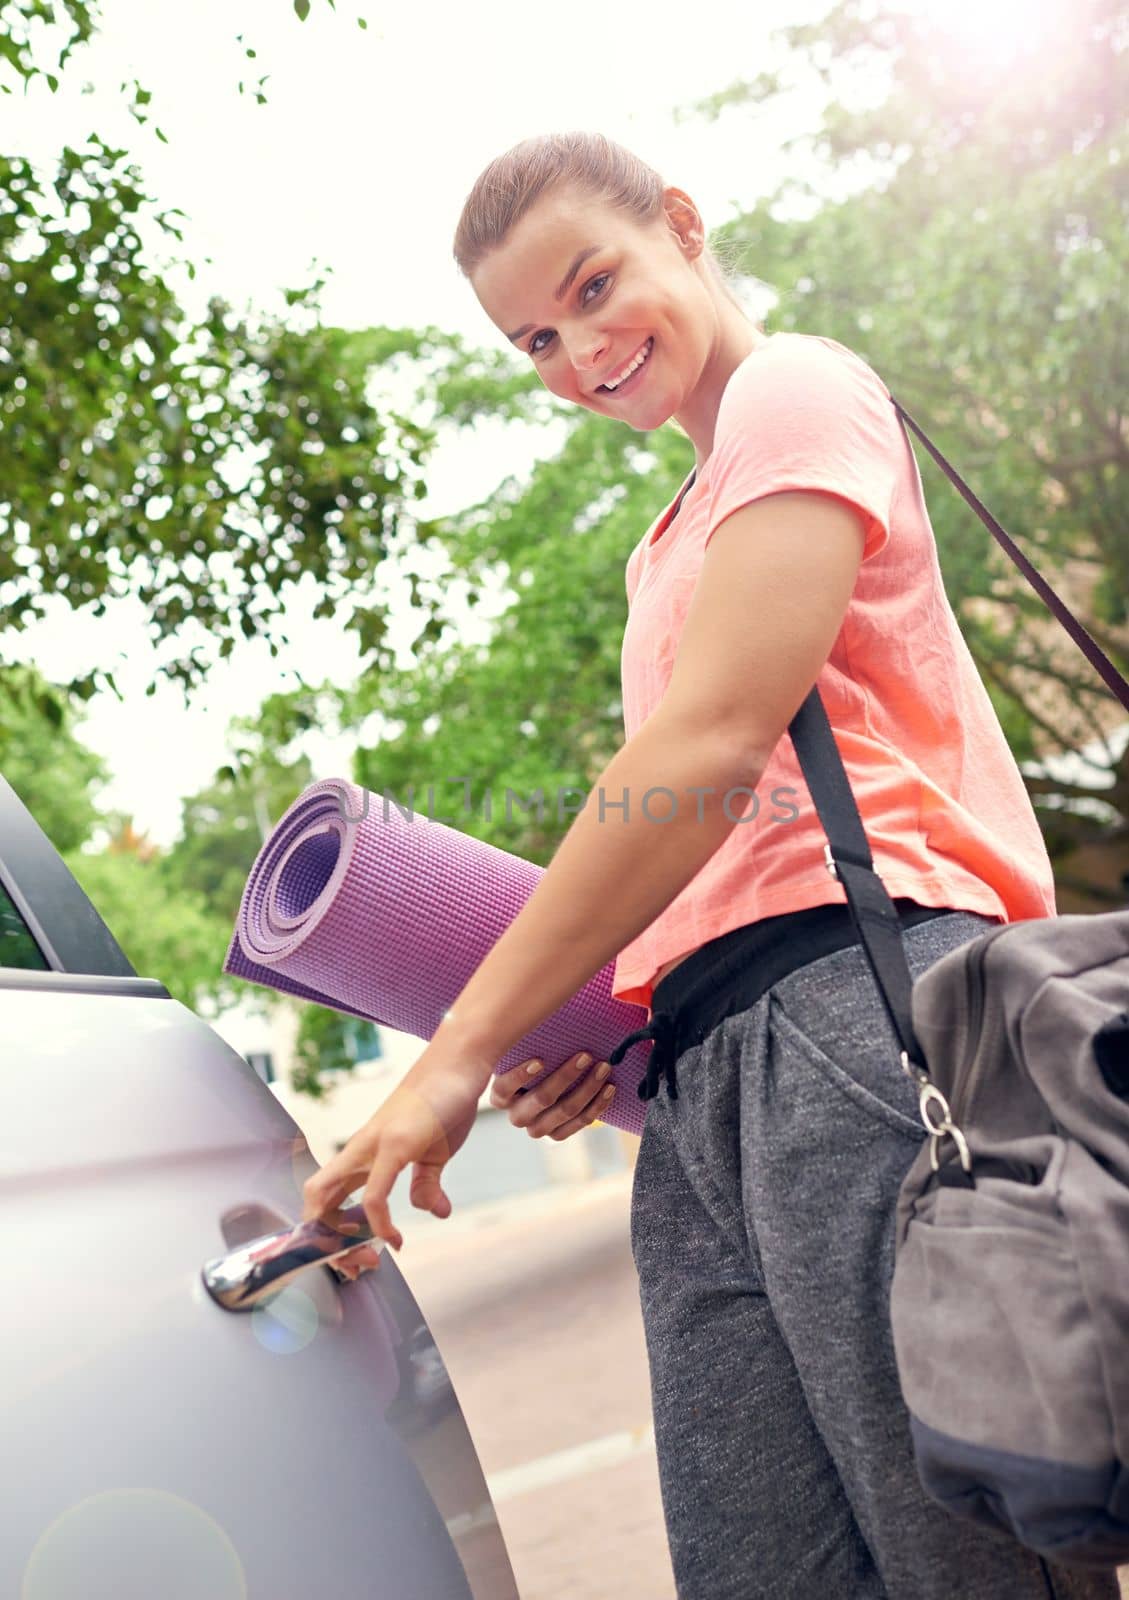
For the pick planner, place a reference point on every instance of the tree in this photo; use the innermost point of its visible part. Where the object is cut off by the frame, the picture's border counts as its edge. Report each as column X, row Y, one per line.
column 202, row 468
column 537, row 709
column 328, row 1041
column 978, row 267
column 224, row 824
column 44, row 760
column 166, row 933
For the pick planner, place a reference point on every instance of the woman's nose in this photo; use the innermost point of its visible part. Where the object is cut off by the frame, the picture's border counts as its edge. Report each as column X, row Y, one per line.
column 586, row 348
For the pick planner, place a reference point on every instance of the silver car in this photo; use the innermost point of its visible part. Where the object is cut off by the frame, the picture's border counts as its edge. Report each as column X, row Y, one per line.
column 196, row 1405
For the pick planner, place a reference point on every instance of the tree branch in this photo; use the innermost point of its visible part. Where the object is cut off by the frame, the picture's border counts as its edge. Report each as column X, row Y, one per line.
column 1065, row 469
column 1070, row 791
column 994, row 669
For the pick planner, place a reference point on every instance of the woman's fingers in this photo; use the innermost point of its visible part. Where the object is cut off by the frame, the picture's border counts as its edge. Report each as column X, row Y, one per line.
column 524, row 1099
column 571, row 1097
column 422, row 1124
column 323, row 1193
column 426, row 1192
column 372, row 1159
column 507, row 1087
column 363, row 1259
column 596, row 1109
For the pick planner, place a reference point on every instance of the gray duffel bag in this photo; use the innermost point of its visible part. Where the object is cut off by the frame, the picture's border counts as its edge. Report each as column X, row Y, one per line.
column 1010, row 1302
column 1010, row 1298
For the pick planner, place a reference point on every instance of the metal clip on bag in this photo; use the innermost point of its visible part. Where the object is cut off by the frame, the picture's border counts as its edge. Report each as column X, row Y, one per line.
column 1010, row 1299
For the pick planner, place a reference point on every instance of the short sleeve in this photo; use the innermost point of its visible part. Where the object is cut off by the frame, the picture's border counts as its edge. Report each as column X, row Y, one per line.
column 805, row 414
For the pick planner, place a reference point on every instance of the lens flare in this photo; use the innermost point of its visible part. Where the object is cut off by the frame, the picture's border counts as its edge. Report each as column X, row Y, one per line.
column 134, row 1544
column 991, row 34
column 287, row 1322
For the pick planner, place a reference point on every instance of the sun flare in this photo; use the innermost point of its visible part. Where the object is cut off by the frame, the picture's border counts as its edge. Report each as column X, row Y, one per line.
column 991, row 31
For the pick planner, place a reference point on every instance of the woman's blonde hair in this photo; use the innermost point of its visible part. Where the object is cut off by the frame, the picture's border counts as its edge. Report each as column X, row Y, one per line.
column 513, row 183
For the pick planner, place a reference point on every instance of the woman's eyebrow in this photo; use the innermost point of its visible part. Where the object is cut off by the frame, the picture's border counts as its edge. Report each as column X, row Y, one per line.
column 578, row 261
column 562, row 288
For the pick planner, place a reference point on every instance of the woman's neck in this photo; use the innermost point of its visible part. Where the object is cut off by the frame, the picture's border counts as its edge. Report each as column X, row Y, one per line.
column 737, row 338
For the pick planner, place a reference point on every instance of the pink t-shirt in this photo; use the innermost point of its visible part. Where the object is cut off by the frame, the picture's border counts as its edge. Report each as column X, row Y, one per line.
column 945, row 810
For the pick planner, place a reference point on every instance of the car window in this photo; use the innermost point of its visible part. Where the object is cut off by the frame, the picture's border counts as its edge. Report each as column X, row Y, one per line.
column 17, row 947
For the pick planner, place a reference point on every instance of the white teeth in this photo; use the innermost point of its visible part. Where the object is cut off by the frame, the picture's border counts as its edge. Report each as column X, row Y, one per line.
column 614, row 383
column 626, row 373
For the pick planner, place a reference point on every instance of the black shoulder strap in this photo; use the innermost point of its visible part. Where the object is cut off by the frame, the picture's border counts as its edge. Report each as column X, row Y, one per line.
column 849, row 860
column 1089, row 647
column 682, row 493
column 848, row 853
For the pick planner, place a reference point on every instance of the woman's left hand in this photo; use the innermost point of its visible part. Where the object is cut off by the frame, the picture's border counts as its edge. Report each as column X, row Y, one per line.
column 424, row 1121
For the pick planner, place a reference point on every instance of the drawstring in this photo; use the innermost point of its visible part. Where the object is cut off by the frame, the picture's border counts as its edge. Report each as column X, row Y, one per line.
column 662, row 1029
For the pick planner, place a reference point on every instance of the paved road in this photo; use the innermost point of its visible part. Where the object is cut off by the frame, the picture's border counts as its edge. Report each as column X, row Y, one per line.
column 533, row 1303
column 534, row 1306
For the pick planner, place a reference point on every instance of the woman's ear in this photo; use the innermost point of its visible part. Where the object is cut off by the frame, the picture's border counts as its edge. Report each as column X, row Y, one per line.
column 684, row 221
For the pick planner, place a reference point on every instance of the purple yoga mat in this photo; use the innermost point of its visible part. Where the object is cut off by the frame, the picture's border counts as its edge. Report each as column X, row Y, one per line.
column 384, row 915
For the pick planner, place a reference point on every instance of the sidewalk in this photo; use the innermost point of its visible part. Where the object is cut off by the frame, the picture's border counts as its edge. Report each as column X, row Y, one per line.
column 534, row 1305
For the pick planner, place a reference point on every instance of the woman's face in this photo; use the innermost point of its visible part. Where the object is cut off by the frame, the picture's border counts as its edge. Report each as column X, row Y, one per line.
column 588, row 293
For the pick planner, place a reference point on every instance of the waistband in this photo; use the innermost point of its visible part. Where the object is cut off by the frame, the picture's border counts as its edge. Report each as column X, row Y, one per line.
column 733, row 971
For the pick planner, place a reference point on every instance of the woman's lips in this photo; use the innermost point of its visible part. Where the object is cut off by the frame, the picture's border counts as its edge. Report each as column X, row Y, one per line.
column 633, row 380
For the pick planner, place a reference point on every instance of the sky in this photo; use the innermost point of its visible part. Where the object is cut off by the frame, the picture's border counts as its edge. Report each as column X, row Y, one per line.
column 360, row 162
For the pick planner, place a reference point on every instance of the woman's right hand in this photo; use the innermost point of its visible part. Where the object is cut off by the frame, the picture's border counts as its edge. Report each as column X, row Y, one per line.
column 569, row 1099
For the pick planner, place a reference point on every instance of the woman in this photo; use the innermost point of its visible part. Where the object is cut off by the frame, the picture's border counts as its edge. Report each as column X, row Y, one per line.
column 763, row 1198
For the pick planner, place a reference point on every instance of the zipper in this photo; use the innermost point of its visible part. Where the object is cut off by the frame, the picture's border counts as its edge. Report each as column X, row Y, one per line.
column 967, row 1079
column 1047, row 1579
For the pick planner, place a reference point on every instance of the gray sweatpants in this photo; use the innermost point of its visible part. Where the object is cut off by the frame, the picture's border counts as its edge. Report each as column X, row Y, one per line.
column 762, row 1231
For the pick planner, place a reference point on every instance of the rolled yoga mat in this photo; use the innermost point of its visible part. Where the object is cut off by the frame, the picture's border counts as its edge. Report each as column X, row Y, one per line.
column 357, row 906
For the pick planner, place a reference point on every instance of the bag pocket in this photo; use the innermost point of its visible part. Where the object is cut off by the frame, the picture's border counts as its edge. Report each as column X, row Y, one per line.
column 1002, row 1377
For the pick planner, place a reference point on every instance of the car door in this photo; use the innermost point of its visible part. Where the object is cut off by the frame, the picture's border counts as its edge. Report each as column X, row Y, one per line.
column 156, row 1445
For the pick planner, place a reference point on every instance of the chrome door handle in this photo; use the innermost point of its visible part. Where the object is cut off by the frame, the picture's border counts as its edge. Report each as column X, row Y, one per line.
column 244, row 1276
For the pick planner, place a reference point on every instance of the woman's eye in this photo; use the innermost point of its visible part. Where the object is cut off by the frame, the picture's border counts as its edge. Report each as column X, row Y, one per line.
column 592, row 289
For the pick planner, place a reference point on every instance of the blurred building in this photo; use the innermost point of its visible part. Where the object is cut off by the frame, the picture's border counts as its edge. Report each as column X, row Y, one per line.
column 497, row 1160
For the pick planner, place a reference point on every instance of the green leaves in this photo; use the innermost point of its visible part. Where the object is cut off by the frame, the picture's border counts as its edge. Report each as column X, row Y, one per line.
column 537, row 706
column 166, row 932
column 328, row 1041
column 982, row 279
column 25, row 25
column 302, row 11
column 42, row 758
column 120, row 419
column 202, row 468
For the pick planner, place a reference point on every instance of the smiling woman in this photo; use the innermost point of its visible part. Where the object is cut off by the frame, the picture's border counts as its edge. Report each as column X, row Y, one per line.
column 798, row 554
column 625, row 323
